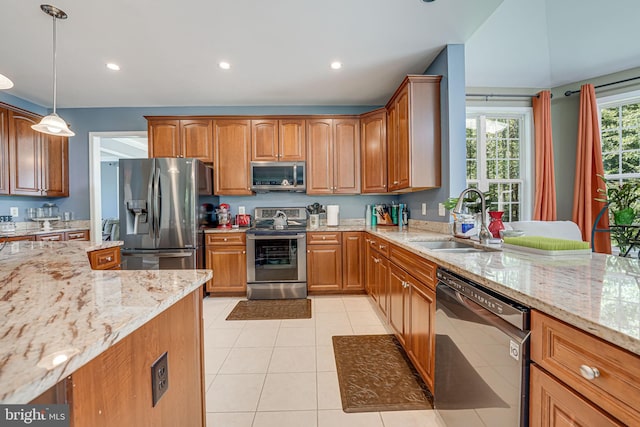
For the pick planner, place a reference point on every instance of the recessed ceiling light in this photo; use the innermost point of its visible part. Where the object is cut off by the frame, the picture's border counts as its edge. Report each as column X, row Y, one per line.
column 224, row 65
column 112, row 66
column 5, row 82
column 336, row 65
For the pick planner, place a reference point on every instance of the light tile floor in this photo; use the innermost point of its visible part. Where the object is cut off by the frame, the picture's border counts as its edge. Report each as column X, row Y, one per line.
column 282, row 373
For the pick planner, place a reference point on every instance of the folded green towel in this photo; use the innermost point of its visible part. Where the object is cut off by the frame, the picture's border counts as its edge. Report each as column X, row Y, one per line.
column 547, row 243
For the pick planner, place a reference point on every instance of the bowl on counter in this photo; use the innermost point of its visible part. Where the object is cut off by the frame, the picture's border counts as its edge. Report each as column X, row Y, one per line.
column 511, row 233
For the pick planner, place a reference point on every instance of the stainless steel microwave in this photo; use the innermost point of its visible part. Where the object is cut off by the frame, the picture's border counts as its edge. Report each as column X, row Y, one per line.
column 278, row 176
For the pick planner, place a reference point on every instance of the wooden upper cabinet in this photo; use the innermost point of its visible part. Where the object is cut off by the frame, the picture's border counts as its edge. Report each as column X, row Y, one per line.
column 413, row 134
column 320, row 156
column 373, row 152
column 164, row 138
column 4, row 151
column 333, row 156
column 181, row 138
column 346, row 153
column 55, row 162
column 278, row 140
column 292, row 140
column 196, row 138
column 232, row 155
column 24, row 154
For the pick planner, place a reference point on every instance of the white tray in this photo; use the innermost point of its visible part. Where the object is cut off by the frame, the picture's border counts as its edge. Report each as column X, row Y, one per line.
column 537, row 251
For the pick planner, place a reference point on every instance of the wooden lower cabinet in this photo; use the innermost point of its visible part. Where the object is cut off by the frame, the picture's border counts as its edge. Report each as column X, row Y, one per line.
column 226, row 255
column 76, row 235
column 114, row 389
column 596, row 371
column 403, row 286
column 353, row 261
column 399, row 302
column 422, row 315
column 335, row 262
column 50, row 237
column 552, row 404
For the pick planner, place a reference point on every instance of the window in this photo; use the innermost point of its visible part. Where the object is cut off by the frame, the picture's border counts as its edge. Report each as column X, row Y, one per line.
column 499, row 159
column 620, row 135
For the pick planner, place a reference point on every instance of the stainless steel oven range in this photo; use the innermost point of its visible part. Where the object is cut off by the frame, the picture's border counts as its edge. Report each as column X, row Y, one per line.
column 277, row 254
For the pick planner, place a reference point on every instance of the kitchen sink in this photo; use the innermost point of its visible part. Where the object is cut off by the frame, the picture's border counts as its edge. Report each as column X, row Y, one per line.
column 449, row 246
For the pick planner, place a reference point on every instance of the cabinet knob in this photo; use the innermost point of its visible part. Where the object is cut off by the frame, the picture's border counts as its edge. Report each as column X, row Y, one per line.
column 395, row 182
column 244, row 252
column 382, row 246
column 109, row 259
column 324, row 237
column 225, row 239
column 308, row 251
column 588, row 372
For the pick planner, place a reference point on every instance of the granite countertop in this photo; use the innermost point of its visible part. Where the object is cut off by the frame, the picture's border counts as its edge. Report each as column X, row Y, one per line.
column 53, row 306
column 597, row 293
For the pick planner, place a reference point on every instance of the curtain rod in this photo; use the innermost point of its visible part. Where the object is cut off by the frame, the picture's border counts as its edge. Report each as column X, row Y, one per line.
column 571, row 92
column 497, row 95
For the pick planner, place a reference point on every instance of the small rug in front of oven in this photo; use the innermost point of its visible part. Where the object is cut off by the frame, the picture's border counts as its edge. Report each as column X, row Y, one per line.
column 375, row 374
column 271, row 309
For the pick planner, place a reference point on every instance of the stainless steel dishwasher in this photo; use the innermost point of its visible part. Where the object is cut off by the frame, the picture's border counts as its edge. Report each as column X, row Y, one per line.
column 482, row 355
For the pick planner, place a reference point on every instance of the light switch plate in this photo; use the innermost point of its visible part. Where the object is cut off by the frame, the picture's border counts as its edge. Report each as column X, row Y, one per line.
column 441, row 209
column 424, row 209
column 241, row 210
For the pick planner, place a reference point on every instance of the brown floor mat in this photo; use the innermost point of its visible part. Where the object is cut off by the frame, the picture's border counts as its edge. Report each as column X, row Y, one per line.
column 375, row 374
column 271, row 309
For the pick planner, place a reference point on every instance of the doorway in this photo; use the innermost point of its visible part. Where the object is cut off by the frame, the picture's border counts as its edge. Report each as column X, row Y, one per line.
column 105, row 149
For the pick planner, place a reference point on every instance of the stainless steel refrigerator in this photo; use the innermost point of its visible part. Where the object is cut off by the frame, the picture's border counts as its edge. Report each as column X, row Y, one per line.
column 159, row 201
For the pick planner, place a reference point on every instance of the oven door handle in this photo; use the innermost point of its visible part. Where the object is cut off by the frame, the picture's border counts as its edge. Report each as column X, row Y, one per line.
column 276, row 236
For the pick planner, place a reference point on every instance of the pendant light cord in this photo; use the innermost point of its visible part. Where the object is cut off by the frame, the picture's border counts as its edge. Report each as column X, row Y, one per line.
column 55, row 76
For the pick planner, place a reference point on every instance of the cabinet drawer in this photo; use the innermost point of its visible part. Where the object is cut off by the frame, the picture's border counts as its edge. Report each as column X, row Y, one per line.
column 378, row 244
column 553, row 404
column 77, row 235
column 564, row 351
column 50, row 237
column 225, row 239
column 105, row 259
column 420, row 268
column 324, row 238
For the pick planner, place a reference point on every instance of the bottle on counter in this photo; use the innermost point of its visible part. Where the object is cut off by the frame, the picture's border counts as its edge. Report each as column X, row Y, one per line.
column 367, row 215
column 405, row 215
column 394, row 213
column 374, row 217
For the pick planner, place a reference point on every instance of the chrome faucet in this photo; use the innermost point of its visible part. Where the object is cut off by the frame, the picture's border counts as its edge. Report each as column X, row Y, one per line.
column 484, row 235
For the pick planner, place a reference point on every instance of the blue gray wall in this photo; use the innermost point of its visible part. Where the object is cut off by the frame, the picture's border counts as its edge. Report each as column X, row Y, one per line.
column 109, row 193
column 450, row 64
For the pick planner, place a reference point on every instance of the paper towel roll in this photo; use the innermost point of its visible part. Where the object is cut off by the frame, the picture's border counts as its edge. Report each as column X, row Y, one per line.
column 333, row 215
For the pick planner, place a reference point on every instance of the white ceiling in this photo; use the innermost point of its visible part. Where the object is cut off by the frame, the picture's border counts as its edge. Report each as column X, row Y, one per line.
column 124, row 147
column 280, row 50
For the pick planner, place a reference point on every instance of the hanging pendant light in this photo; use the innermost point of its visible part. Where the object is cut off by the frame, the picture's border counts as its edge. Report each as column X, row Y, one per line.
column 5, row 82
column 53, row 123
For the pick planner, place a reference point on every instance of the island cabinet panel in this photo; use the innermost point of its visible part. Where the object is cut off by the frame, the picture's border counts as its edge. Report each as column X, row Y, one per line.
column 105, row 259
column 226, row 255
column 554, row 405
column 4, row 151
column 373, row 152
column 232, row 157
column 413, row 134
column 172, row 137
column 600, row 372
column 114, row 389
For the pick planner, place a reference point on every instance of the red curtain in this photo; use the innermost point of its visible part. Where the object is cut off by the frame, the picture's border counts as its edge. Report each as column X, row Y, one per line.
column 545, row 192
column 588, row 166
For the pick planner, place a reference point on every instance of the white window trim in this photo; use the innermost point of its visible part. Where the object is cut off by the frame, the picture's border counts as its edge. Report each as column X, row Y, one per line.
column 527, row 159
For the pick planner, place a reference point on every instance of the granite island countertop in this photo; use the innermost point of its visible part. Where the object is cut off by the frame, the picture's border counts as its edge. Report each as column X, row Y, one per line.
column 58, row 313
column 597, row 293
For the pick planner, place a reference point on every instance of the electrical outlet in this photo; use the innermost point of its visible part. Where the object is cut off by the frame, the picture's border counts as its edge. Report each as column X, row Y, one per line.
column 14, row 212
column 159, row 377
column 424, row 209
column 241, row 210
column 441, row 209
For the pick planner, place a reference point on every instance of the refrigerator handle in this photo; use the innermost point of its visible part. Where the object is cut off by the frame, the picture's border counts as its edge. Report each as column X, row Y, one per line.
column 156, row 204
column 150, row 203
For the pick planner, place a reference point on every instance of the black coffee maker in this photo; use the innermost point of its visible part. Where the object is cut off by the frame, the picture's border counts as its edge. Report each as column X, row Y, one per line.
column 207, row 216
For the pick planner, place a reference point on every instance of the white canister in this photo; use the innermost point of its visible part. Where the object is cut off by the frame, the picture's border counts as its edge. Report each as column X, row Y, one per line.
column 333, row 215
